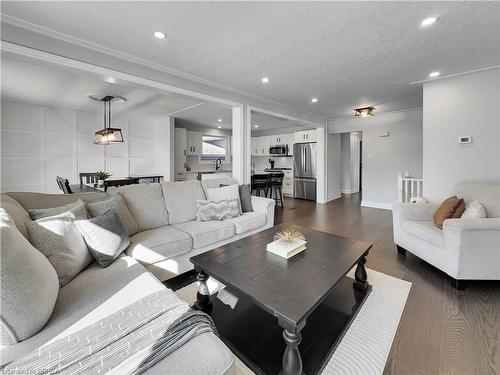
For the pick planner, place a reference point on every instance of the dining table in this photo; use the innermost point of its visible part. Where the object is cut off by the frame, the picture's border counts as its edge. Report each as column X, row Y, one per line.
column 93, row 188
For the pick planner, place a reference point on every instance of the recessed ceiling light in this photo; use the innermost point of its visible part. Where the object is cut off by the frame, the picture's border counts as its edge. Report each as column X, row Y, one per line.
column 265, row 80
column 219, row 120
column 256, row 126
column 159, row 35
column 314, row 100
column 428, row 21
column 434, row 74
column 110, row 79
column 219, row 127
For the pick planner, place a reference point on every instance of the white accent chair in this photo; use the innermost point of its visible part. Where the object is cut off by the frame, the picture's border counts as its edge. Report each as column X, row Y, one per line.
column 466, row 249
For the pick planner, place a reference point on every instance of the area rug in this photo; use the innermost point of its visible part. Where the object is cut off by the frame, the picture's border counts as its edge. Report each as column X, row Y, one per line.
column 365, row 346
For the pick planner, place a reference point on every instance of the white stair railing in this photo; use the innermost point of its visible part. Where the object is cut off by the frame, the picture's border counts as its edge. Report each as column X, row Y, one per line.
column 409, row 187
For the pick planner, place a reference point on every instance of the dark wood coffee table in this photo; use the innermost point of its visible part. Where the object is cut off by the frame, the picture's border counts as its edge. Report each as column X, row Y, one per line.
column 309, row 287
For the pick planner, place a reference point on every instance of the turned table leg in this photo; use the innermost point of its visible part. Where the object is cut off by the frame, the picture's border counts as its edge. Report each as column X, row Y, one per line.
column 360, row 275
column 202, row 302
column 292, row 363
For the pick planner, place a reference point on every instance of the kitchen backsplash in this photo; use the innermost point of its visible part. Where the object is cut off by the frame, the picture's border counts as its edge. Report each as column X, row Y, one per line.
column 262, row 162
column 194, row 162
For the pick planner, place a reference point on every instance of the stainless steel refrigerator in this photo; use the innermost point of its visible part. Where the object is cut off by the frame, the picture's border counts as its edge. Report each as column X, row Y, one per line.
column 304, row 160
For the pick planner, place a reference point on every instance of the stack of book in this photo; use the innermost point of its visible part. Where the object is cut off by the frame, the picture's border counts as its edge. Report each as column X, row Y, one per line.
column 286, row 249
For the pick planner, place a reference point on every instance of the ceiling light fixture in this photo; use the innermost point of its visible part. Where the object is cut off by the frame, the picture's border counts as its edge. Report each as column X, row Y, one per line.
column 159, row 35
column 265, row 80
column 428, row 21
column 434, row 74
column 314, row 100
column 256, row 126
column 364, row 111
column 219, row 120
column 219, row 127
column 108, row 135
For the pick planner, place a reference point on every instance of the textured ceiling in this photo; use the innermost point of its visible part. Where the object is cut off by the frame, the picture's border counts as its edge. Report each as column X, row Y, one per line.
column 347, row 54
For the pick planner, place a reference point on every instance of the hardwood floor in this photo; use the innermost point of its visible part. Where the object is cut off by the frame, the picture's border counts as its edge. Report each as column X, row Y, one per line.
column 442, row 330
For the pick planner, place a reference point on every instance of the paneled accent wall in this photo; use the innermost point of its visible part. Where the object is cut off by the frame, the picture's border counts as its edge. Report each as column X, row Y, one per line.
column 40, row 143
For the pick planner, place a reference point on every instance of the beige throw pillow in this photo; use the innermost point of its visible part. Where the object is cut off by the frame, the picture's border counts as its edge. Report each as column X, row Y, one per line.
column 474, row 210
column 58, row 238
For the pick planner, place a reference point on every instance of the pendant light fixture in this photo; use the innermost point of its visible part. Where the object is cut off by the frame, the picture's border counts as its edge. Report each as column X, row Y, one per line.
column 108, row 135
column 364, row 112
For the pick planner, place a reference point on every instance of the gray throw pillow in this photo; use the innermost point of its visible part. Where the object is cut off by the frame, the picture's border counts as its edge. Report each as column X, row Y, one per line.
column 245, row 197
column 29, row 286
column 105, row 236
column 217, row 210
column 117, row 204
column 38, row 213
column 60, row 241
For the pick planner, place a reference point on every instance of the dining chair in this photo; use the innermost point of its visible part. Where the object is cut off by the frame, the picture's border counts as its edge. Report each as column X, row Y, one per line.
column 87, row 178
column 122, row 182
column 276, row 188
column 260, row 183
column 63, row 185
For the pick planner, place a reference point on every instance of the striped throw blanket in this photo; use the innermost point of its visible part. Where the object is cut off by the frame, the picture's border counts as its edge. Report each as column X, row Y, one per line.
column 129, row 341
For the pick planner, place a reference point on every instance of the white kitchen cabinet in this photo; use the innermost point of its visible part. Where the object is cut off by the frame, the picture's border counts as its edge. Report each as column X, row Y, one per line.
column 193, row 143
column 306, row 136
column 180, row 146
column 288, row 183
column 260, row 146
column 278, row 140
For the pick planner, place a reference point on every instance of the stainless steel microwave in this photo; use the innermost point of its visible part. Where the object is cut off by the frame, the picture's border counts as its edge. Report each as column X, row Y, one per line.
column 281, row 150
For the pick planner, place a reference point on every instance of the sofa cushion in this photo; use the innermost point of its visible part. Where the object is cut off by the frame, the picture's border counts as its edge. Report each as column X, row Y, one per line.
column 248, row 221
column 145, row 203
column 424, row 230
column 16, row 212
column 217, row 182
column 29, row 285
column 39, row 213
column 116, row 203
column 58, row 238
column 180, row 200
column 487, row 194
column 205, row 233
column 156, row 245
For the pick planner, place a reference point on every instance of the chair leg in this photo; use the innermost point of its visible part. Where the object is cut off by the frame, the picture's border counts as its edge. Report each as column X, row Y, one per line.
column 281, row 197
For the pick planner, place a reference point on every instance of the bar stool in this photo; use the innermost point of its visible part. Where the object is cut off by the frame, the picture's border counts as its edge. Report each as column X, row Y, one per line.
column 260, row 183
column 276, row 186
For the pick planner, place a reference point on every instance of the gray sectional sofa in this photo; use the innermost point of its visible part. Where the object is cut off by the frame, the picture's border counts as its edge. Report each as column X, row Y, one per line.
column 168, row 236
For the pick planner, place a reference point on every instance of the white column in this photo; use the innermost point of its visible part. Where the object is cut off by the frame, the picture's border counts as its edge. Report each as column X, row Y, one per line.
column 241, row 140
column 165, row 147
column 321, row 165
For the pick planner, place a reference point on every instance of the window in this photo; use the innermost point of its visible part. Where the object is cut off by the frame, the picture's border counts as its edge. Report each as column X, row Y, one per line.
column 213, row 147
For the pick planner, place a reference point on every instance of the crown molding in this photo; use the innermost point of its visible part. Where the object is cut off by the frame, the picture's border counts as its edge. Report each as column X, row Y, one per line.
column 455, row 75
column 140, row 61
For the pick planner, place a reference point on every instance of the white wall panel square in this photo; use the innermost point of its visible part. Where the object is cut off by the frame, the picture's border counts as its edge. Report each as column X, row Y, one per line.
column 89, row 165
column 52, row 188
column 142, row 166
column 21, row 172
column 59, row 145
column 142, row 148
column 87, row 148
column 117, row 150
column 60, row 120
column 21, row 144
column 142, row 128
column 21, row 116
column 65, row 168
column 30, row 188
column 118, row 167
column 89, row 122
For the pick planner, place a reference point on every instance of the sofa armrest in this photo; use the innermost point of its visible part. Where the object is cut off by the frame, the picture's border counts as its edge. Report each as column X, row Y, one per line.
column 414, row 211
column 477, row 244
column 266, row 206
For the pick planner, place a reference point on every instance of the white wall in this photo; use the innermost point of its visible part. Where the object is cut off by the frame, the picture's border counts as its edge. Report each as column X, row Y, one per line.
column 454, row 107
column 350, row 148
column 333, row 166
column 385, row 157
column 40, row 143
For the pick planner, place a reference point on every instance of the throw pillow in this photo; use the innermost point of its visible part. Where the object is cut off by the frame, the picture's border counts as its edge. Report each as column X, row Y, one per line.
column 117, row 204
column 29, row 286
column 38, row 213
column 58, row 238
column 459, row 210
column 224, row 193
column 105, row 236
column 445, row 211
column 217, row 210
column 245, row 197
column 474, row 210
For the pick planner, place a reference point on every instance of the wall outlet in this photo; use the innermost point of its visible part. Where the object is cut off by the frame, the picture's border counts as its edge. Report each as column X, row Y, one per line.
column 465, row 139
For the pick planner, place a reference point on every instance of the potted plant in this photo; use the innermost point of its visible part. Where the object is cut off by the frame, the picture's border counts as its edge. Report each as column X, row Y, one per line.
column 101, row 176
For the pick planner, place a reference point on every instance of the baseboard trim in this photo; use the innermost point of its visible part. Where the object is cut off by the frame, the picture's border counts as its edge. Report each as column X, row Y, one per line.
column 381, row 205
column 349, row 191
column 333, row 197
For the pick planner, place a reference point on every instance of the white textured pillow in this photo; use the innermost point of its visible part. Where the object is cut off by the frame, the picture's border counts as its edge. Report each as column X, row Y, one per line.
column 474, row 210
column 217, row 210
column 29, row 285
column 58, row 238
column 225, row 193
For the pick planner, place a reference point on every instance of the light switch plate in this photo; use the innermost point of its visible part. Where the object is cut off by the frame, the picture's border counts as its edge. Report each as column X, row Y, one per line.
column 465, row 139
